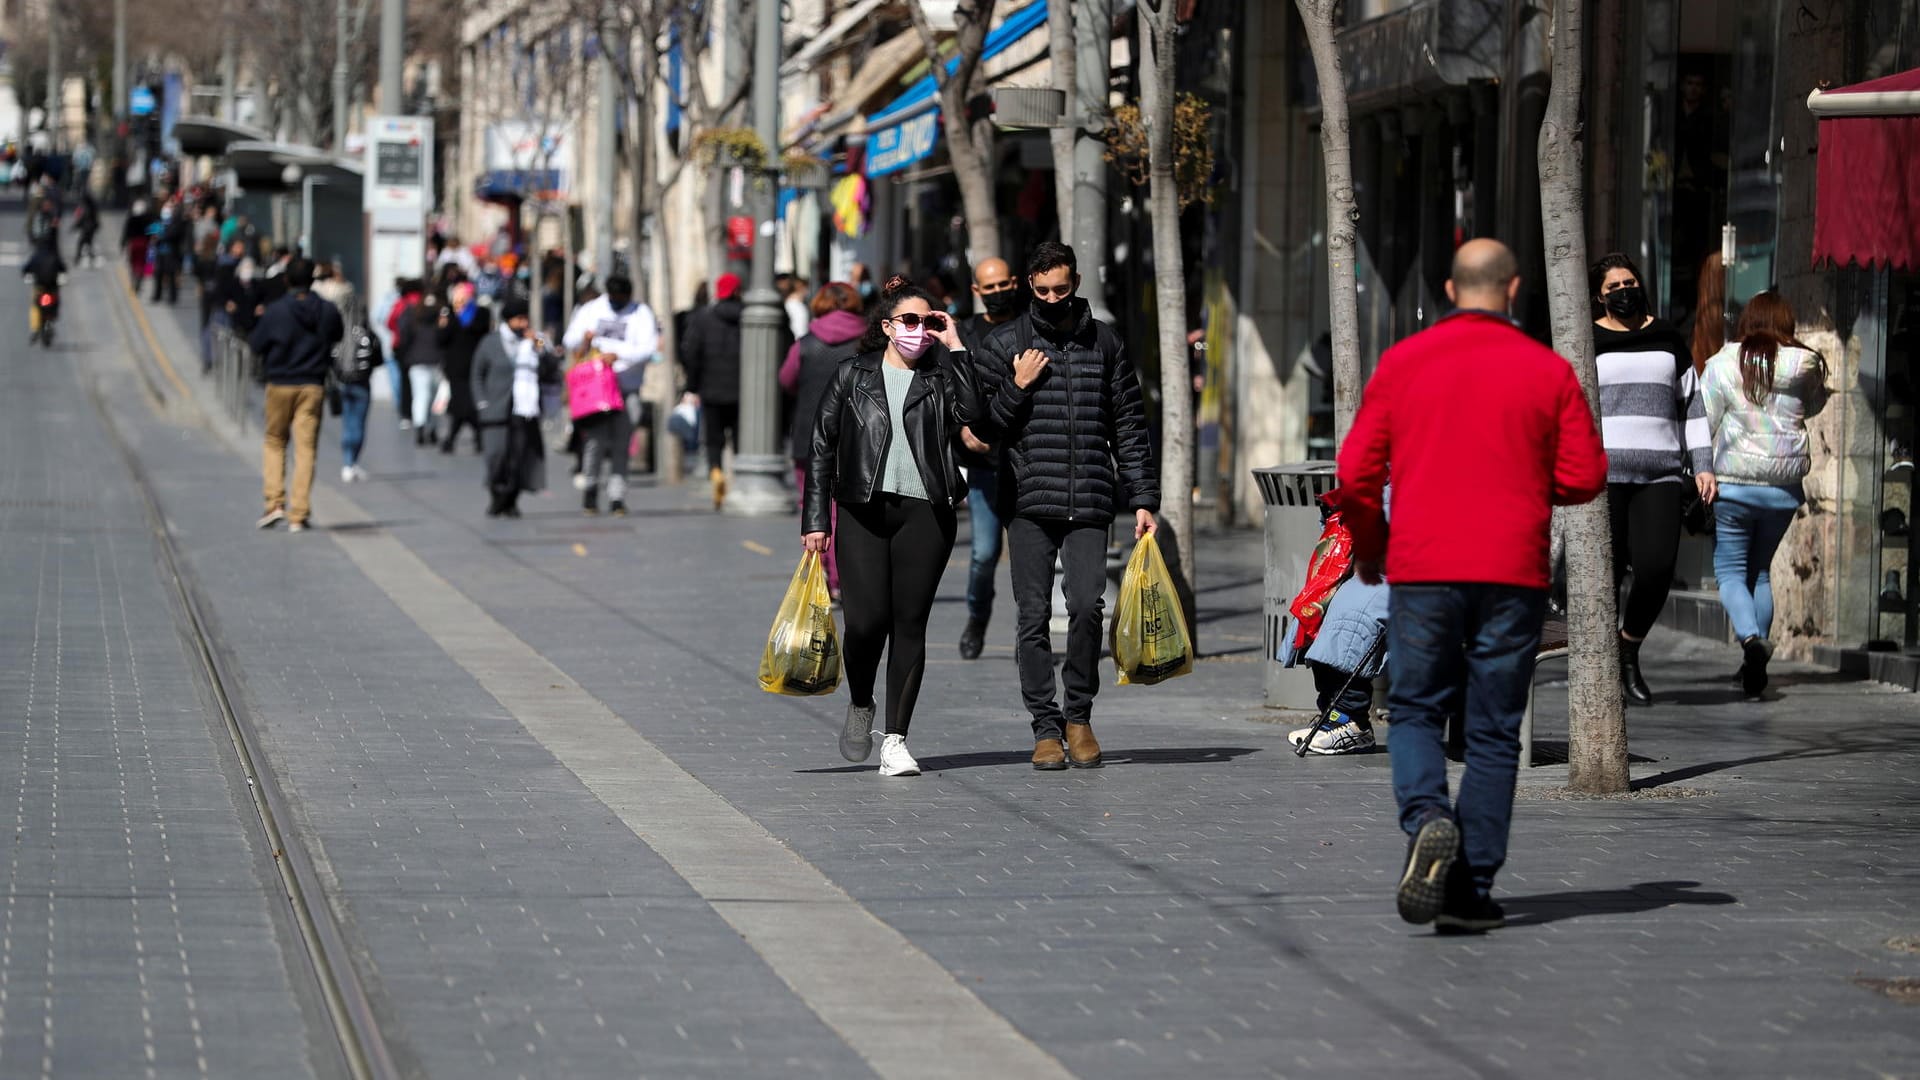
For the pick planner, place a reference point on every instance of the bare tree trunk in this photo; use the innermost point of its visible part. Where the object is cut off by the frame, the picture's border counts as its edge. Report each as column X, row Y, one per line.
column 1596, row 722
column 1343, row 214
column 1169, row 282
column 1062, row 54
column 969, row 145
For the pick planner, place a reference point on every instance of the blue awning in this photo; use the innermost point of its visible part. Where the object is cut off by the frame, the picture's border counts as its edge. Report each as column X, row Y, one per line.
column 924, row 94
column 897, row 146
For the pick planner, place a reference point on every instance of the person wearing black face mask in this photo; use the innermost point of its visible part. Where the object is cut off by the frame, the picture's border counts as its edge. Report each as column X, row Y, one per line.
column 999, row 294
column 1654, row 425
column 1064, row 404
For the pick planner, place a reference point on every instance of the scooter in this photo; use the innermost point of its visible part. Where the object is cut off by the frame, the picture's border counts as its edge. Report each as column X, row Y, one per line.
column 43, row 313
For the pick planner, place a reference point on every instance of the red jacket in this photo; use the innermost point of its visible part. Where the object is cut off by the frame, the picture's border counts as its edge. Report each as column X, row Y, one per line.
column 1483, row 431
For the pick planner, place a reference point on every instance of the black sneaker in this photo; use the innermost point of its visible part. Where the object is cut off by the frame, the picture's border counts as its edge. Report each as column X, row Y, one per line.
column 1472, row 914
column 1753, row 676
column 1430, row 855
column 617, row 508
column 972, row 640
column 590, row 503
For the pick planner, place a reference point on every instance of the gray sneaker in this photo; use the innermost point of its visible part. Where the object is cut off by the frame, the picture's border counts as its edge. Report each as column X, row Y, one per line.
column 856, row 737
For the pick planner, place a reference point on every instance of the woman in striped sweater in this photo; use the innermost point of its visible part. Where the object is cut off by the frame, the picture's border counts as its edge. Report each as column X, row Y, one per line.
column 1655, row 430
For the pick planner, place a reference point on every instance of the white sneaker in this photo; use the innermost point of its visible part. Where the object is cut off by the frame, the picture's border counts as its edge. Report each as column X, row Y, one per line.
column 346, row 474
column 359, row 474
column 894, row 759
column 297, row 527
column 1343, row 736
column 271, row 518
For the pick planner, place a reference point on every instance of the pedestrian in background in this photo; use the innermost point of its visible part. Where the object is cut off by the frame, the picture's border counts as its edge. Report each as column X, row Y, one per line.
column 833, row 336
column 133, row 241
column 423, row 332
column 206, row 274
column 883, row 451
column 470, row 325
column 1065, row 405
column 1484, row 431
column 295, row 340
column 1760, row 392
column 1001, row 301
column 507, row 392
column 710, row 356
column 1655, row 430
column 86, row 223
column 167, row 238
column 360, row 355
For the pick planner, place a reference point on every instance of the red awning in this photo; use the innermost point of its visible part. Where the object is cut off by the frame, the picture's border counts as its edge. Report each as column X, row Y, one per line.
column 1868, row 205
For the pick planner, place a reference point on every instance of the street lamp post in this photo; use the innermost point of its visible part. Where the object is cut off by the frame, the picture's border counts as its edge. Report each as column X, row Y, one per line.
column 758, row 466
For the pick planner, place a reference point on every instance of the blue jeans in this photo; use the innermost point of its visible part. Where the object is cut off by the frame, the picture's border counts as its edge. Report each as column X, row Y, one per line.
column 1461, row 650
column 354, row 402
column 1750, row 520
column 983, row 486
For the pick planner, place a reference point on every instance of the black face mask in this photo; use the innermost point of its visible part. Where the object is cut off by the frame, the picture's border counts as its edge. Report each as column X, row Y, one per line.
column 1629, row 305
column 1053, row 312
column 999, row 305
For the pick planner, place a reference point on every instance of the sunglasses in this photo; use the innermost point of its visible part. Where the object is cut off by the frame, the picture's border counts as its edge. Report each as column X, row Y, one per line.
column 936, row 322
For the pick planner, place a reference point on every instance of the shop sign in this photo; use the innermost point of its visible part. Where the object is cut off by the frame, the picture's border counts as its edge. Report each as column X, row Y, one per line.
column 894, row 148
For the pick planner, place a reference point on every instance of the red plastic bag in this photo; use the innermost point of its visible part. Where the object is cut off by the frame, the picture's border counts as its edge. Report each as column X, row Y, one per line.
column 1332, row 560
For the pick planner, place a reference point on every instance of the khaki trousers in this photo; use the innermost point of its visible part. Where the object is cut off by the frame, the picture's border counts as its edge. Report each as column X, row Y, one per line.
column 295, row 411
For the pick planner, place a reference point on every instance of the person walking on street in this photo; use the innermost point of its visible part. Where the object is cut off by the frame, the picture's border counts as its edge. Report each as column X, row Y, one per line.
column 1654, row 428
column 1065, row 406
column 1484, row 431
column 623, row 329
column 360, row 355
column 422, row 343
column 133, row 241
column 1001, row 301
column 470, row 326
column 86, row 223
column 710, row 354
column 833, row 335
column 1760, row 391
column 295, row 340
column 883, row 451
column 166, row 238
column 506, row 395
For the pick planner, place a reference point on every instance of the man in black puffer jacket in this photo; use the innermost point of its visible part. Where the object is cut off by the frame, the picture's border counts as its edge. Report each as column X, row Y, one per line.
column 1063, row 400
column 295, row 340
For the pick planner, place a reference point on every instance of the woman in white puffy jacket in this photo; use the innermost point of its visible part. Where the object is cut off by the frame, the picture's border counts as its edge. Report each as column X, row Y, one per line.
column 1760, row 390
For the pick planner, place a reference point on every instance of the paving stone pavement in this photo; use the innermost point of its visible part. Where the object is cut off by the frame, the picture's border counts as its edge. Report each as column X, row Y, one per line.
column 140, row 934
column 1207, row 903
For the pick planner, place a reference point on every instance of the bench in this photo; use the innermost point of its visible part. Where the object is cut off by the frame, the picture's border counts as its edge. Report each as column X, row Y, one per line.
column 1553, row 646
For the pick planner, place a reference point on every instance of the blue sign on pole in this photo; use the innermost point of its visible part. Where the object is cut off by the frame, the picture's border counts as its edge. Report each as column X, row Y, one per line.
column 894, row 148
column 140, row 101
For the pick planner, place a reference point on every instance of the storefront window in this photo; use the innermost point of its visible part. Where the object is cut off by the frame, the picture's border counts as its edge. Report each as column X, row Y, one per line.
column 1754, row 167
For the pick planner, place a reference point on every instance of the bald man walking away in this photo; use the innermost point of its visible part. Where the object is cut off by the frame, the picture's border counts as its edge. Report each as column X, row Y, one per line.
column 1483, row 431
column 1001, row 302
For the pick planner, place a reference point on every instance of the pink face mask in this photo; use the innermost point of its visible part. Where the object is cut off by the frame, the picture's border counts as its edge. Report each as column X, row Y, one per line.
column 910, row 341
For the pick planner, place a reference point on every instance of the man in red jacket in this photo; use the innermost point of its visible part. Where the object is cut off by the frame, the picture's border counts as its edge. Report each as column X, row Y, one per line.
column 1484, row 431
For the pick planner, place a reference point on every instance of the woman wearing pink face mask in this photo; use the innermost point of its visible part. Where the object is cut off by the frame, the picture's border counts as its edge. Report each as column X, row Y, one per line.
column 883, row 450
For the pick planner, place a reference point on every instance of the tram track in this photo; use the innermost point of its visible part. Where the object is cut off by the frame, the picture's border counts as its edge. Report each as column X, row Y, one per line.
column 329, row 960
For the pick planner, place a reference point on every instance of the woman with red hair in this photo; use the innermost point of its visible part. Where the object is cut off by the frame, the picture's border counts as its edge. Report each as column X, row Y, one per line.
column 1760, row 391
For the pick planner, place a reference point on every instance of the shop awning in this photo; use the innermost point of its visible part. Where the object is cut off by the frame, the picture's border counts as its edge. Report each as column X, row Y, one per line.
column 828, row 37
column 924, row 94
column 209, row 137
column 1422, row 48
column 1867, row 209
column 263, row 165
column 907, row 130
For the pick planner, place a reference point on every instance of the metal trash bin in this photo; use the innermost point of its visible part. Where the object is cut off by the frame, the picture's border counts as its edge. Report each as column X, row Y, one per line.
column 1291, row 493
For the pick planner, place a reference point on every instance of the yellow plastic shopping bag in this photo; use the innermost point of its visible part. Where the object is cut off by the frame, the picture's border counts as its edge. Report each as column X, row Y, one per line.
column 803, row 652
column 1150, row 641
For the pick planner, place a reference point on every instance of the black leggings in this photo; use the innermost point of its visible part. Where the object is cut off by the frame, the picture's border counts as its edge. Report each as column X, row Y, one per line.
column 1646, row 538
column 720, row 418
column 891, row 553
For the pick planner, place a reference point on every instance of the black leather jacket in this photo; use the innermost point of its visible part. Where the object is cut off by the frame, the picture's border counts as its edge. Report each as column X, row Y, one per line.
column 851, row 437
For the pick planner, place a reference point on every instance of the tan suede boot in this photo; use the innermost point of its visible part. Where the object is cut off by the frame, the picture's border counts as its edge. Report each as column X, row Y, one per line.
column 1049, row 754
column 1083, row 750
column 718, row 478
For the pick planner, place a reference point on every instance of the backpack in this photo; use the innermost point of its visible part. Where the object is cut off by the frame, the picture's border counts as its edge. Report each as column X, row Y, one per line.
column 358, row 355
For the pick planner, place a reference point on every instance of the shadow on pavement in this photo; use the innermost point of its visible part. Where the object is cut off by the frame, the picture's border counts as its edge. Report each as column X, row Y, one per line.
column 1647, row 896
column 1197, row 755
column 1836, row 744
